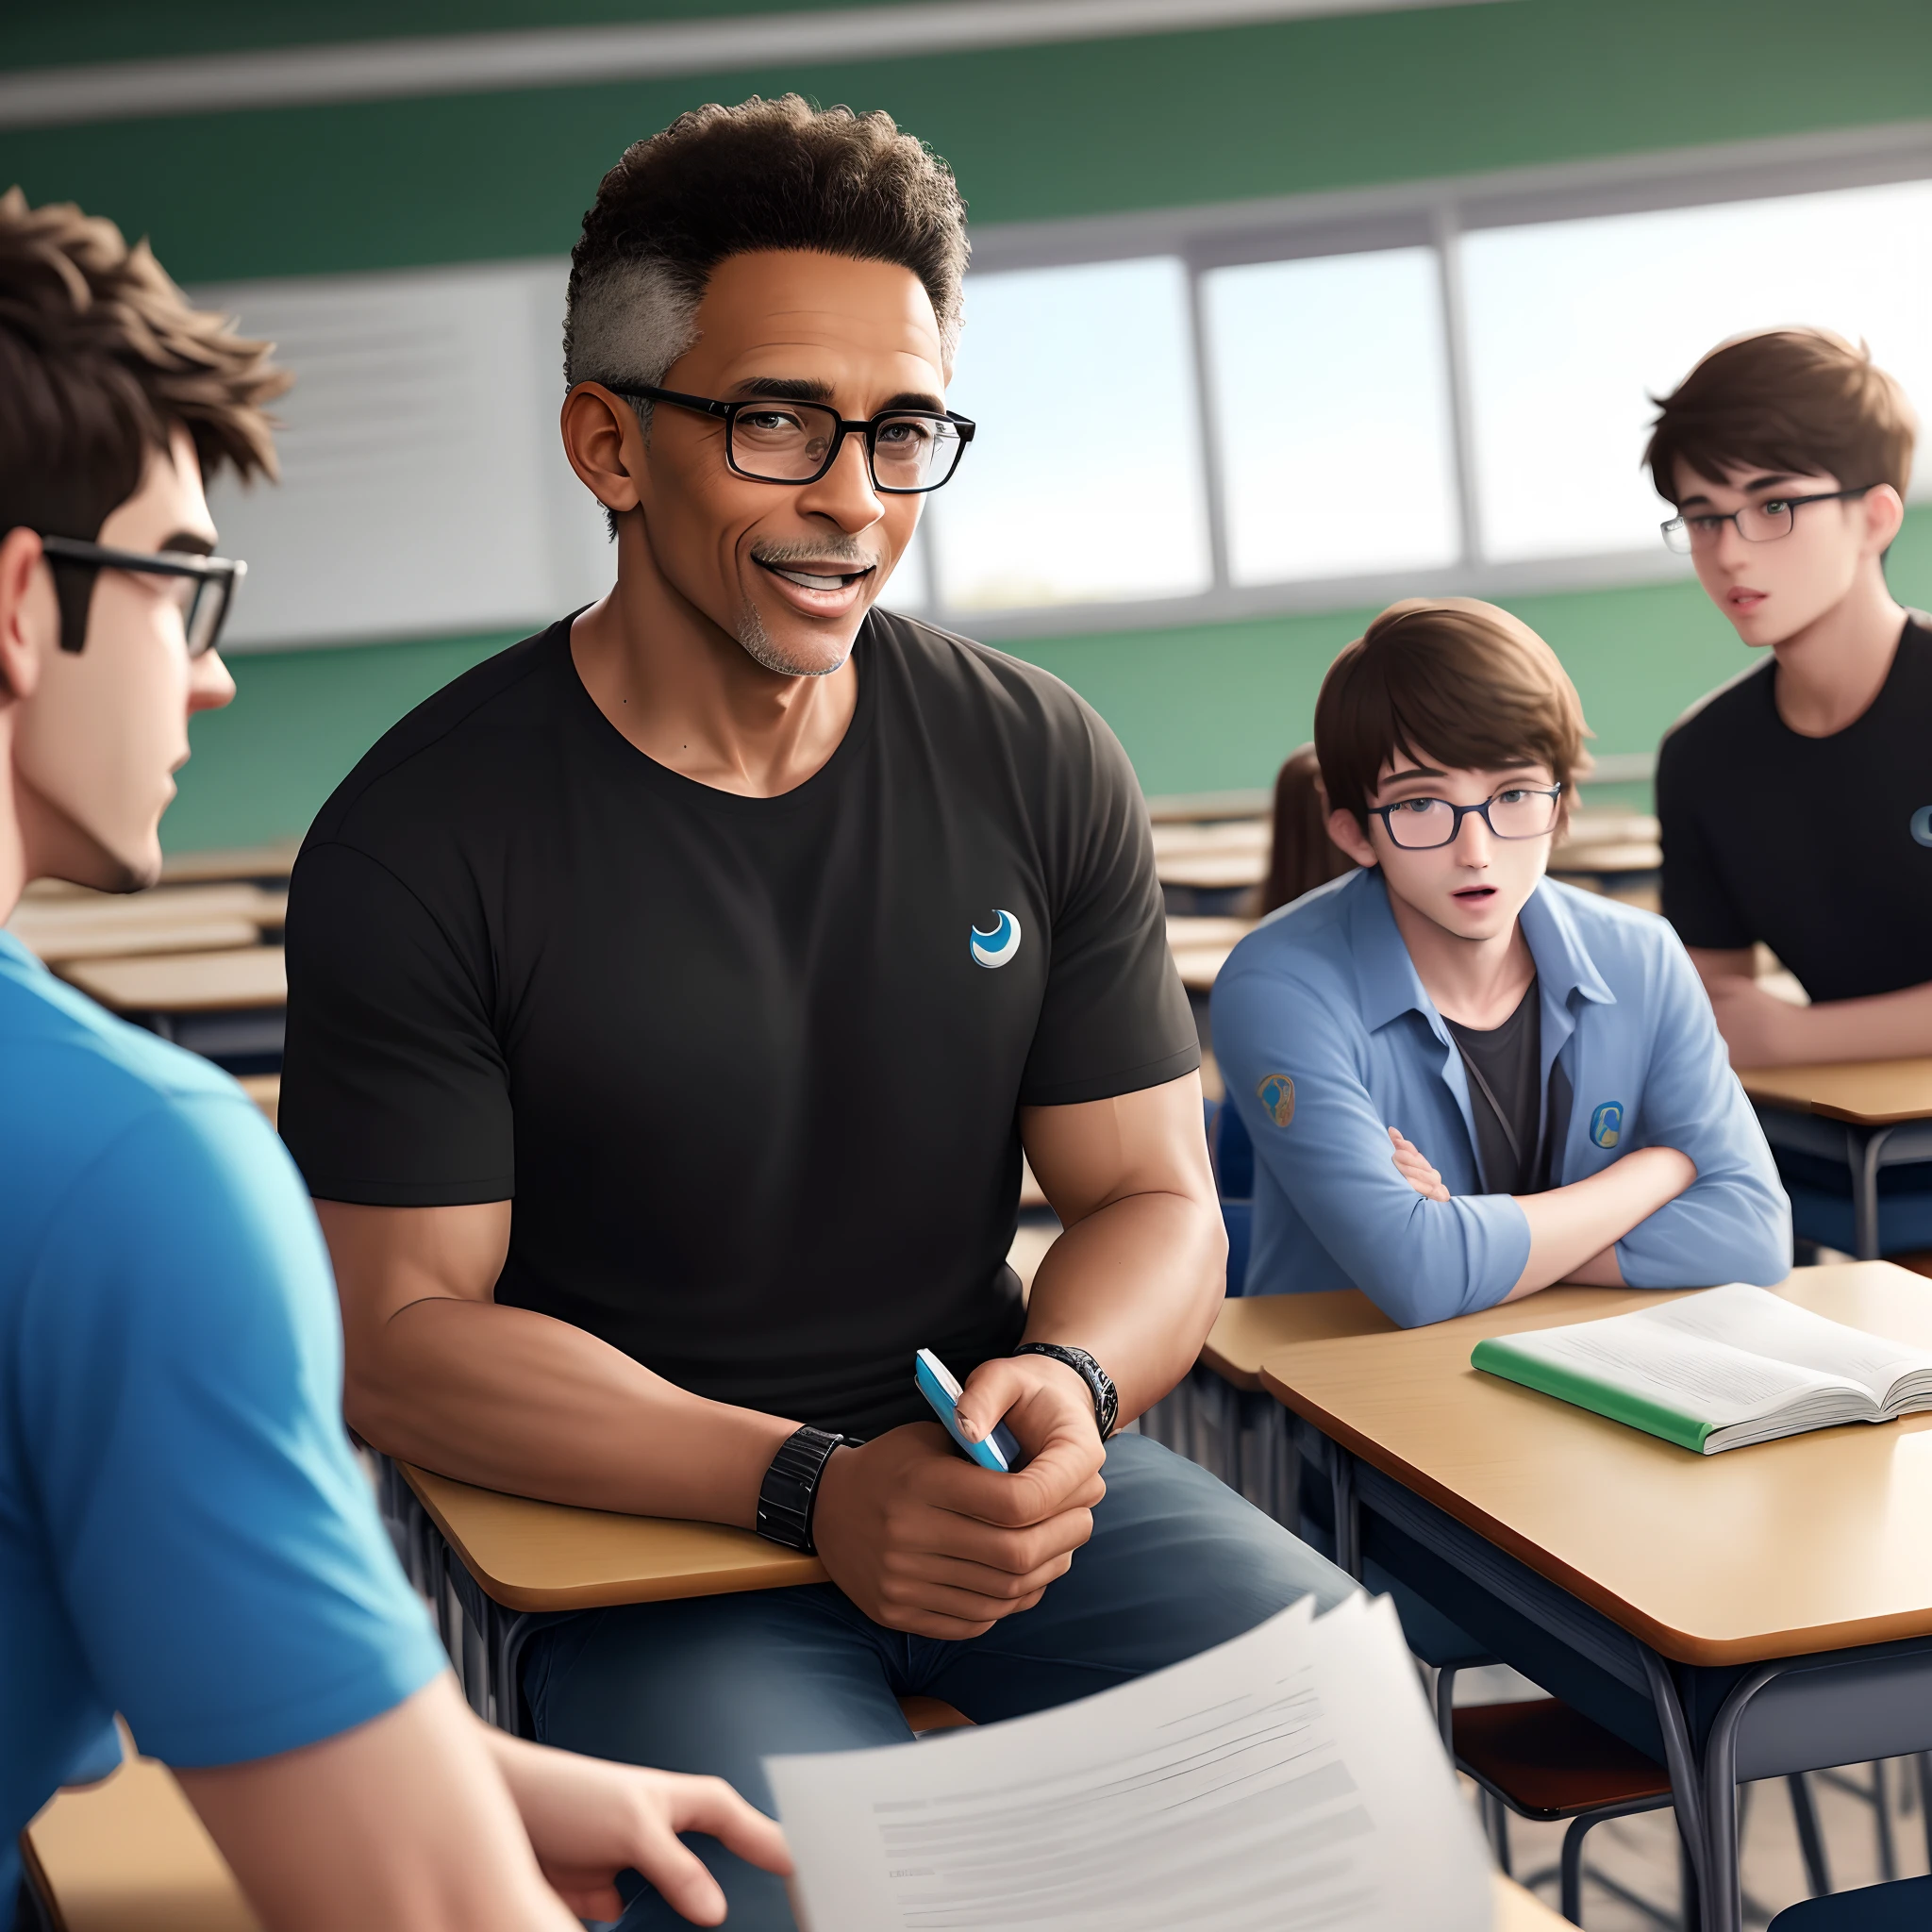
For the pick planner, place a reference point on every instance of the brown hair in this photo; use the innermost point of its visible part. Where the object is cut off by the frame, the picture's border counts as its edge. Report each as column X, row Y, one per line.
column 1448, row 680
column 724, row 181
column 101, row 359
column 1799, row 400
column 1301, row 856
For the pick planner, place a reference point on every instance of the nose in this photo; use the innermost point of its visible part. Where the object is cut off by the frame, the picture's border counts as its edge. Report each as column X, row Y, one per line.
column 1728, row 549
column 210, row 683
column 845, row 493
column 1473, row 839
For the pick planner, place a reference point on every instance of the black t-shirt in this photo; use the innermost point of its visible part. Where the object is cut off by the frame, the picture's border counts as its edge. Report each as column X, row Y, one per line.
column 1820, row 848
column 1504, row 1102
column 749, row 1067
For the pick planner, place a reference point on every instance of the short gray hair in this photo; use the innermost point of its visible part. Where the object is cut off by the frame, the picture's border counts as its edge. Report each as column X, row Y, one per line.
column 724, row 181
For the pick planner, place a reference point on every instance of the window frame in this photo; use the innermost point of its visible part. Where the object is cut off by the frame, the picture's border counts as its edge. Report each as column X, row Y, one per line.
column 1435, row 214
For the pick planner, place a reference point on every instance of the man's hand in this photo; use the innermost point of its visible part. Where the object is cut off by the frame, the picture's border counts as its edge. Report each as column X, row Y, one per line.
column 1761, row 1029
column 923, row 1541
column 1413, row 1166
column 589, row 1820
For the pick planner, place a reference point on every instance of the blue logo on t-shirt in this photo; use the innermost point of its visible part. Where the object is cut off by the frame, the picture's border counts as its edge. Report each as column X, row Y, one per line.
column 1607, row 1123
column 1921, row 825
column 996, row 947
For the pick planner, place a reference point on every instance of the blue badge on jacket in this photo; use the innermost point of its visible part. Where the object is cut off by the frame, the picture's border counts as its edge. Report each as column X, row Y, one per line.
column 1607, row 1123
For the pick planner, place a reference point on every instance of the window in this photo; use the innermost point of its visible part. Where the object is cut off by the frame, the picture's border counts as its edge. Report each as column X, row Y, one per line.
column 1331, row 408
column 1574, row 325
column 1183, row 415
column 1083, row 484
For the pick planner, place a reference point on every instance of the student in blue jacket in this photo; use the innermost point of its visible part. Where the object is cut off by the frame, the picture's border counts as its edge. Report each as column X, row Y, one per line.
column 1464, row 1081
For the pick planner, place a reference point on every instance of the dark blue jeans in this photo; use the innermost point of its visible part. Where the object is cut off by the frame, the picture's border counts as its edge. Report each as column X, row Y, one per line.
column 1177, row 1562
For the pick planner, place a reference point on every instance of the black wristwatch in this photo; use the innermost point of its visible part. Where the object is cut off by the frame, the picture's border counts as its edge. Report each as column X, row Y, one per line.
column 1107, row 1398
column 791, row 1487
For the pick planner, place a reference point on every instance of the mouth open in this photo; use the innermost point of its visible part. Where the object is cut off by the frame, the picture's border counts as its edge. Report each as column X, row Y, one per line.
column 824, row 578
column 1475, row 895
column 1740, row 598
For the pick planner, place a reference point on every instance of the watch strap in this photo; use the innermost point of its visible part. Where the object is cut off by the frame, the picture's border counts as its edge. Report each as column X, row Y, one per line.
column 789, row 1491
column 1107, row 1400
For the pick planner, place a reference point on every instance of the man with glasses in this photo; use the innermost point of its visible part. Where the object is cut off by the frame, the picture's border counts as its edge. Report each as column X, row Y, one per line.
column 185, row 1536
column 1465, row 1082
column 672, row 999
column 1796, row 800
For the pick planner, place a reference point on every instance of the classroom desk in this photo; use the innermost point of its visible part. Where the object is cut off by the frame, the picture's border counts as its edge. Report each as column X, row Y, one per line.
column 1771, row 1605
column 240, row 978
column 271, row 861
column 75, row 925
column 1518, row 1910
column 519, row 1560
column 1867, row 1113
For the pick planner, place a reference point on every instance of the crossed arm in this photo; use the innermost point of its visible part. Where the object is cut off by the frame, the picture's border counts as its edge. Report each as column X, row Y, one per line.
column 1762, row 1031
column 439, row 1375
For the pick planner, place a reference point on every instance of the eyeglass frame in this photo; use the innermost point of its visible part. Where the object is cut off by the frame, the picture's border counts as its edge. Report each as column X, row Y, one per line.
column 868, row 427
column 1553, row 793
column 222, row 573
column 1793, row 503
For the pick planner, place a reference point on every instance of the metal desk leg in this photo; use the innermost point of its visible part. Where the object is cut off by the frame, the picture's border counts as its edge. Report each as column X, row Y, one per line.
column 1687, row 1795
column 1724, row 1901
column 1864, row 1165
column 1348, row 1515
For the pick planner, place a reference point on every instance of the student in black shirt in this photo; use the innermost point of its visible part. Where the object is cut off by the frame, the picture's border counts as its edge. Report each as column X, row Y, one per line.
column 671, row 997
column 1796, row 800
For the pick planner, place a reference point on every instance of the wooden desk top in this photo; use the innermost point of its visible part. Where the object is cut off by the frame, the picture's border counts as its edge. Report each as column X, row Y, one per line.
column 1213, row 872
column 1200, row 966
column 1518, row 1910
column 273, row 860
column 1868, row 1093
column 237, row 980
column 1250, row 1328
column 1816, row 1543
column 532, row 1556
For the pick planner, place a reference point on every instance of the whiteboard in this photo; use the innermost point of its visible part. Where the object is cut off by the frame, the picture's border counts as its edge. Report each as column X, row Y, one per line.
column 424, row 490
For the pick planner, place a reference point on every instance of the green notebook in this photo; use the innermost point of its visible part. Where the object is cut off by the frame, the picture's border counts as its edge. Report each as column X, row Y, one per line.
column 1719, row 1370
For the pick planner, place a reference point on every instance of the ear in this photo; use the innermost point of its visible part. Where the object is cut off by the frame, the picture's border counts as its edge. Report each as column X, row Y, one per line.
column 604, row 441
column 1885, row 510
column 1347, row 834
column 27, row 607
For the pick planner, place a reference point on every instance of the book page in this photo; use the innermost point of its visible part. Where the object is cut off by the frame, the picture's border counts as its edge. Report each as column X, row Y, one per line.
column 1778, row 1330
column 1708, row 1382
column 1290, row 1777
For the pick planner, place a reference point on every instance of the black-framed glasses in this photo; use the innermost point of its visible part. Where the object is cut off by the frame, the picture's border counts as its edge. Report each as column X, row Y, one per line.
column 770, row 440
column 1756, row 523
column 202, row 586
column 1421, row 824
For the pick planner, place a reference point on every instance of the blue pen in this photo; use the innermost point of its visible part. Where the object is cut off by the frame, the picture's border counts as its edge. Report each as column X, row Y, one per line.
column 1000, row 1450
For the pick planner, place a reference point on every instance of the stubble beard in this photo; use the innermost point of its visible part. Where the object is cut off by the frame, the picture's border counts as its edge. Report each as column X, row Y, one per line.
column 756, row 642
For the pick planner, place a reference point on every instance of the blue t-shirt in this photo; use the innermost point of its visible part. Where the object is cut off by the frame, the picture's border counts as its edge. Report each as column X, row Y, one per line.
column 185, row 1533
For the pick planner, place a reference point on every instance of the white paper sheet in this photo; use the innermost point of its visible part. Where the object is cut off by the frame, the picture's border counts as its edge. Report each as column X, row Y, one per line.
column 1292, row 1778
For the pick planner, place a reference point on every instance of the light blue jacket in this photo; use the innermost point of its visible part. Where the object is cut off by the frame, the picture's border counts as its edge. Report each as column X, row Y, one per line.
column 1327, row 1039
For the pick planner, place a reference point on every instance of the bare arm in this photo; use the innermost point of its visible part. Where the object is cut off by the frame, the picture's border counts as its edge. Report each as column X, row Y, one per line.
column 1140, row 1272
column 1574, row 1231
column 437, row 1374
column 421, row 1820
column 1762, row 1031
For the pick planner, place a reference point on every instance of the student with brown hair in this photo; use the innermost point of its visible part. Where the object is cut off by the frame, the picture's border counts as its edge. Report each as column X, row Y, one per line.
column 185, row 1536
column 1301, row 854
column 1796, row 800
column 1463, row 1081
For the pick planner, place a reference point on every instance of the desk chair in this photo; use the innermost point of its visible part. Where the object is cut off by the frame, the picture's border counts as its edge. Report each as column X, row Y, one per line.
column 493, row 1566
column 1904, row 1906
column 128, row 1854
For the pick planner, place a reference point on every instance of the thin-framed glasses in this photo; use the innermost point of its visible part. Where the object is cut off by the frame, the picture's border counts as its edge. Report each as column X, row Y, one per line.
column 1756, row 523
column 770, row 440
column 202, row 588
column 1421, row 824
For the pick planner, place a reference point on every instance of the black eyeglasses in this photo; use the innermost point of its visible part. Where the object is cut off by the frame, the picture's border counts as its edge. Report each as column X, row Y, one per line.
column 907, row 452
column 202, row 586
column 1756, row 523
column 1422, row 825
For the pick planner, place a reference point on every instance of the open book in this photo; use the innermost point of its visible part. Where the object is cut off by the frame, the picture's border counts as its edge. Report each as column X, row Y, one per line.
column 1718, row 1370
column 1290, row 1777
